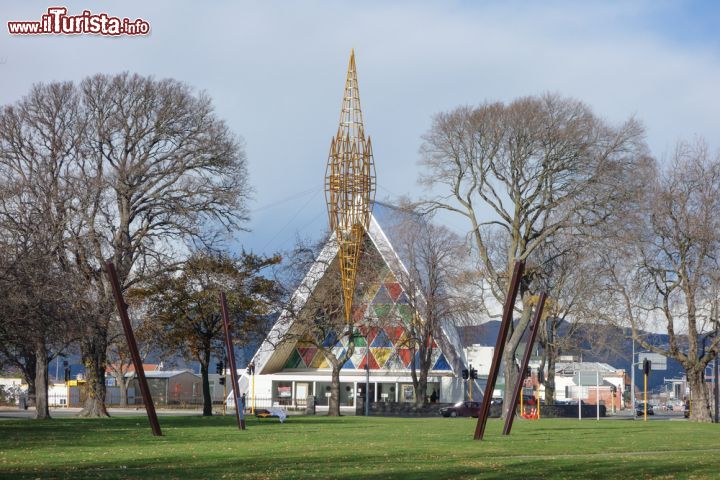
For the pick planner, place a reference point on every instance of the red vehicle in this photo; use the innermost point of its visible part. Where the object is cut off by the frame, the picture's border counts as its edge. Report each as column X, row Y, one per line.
column 461, row 409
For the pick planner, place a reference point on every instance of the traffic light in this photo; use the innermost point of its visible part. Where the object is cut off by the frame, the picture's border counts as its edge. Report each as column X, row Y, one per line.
column 67, row 372
column 251, row 369
column 528, row 372
column 219, row 368
column 647, row 365
column 465, row 374
column 613, row 389
column 221, row 381
column 473, row 374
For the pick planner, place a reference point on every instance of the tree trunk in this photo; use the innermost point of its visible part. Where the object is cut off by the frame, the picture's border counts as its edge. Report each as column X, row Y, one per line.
column 550, row 378
column 700, row 408
column 94, row 359
column 511, row 374
column 42, row 411
column 515, row 335
column 334, row 403
column 421, row 390
column 123, row 386
column 28, row 372
column 207, row 398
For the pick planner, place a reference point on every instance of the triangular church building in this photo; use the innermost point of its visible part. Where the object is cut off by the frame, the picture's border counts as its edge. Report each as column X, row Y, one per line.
column 289, row 369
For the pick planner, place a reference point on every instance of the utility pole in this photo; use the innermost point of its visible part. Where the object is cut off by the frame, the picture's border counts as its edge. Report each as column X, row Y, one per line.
column 717, row 377
column 597, row 392
column 632, row 381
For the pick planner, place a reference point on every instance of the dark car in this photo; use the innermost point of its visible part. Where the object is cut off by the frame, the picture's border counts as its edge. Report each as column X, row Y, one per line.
column 640, row 409
column 461, row 409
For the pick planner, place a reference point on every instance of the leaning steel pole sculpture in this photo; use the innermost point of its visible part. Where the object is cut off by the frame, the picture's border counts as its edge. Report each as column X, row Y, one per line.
column 526, row 359
column 132, row 346
column 499, row 347
column 350, row 186
column 239, row 415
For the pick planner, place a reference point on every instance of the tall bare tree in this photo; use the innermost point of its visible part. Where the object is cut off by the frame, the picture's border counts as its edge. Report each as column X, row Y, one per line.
column 523, row 172
column 433, row 259
column 38, row 144
column 151, row 168
column 662, row 275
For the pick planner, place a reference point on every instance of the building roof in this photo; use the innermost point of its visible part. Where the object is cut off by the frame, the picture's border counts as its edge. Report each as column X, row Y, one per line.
column 569, row 368
column 147, row 367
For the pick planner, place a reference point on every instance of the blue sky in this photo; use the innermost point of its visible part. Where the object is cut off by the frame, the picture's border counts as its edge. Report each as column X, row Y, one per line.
column 276, row 70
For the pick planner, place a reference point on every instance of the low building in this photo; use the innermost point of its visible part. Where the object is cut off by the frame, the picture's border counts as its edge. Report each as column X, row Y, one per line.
column 591, row 382
column 171, row 387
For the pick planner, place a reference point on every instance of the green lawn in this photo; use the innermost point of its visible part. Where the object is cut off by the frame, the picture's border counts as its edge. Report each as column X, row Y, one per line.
column 356, row 447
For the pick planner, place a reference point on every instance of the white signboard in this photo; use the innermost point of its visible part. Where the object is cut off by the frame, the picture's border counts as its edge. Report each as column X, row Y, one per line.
column 586, row 377
column 659, row 362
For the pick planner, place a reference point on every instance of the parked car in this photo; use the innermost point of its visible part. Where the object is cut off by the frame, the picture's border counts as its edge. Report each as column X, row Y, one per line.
column 640, row 410
column 461, row 409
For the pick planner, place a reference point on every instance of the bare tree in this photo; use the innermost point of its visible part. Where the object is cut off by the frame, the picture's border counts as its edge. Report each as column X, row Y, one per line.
column 41, row 298
column 151, row 168
column 432, row 256
column 663, row 275
column 540, row 166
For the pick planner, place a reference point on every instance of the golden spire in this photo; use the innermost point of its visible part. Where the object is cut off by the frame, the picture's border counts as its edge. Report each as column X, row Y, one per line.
column 350, row 185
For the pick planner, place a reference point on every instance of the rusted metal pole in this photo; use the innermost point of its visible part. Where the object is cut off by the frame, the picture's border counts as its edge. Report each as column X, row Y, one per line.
column 526, row 359
column 231, row 359
column 134, row 353
column 499, row 347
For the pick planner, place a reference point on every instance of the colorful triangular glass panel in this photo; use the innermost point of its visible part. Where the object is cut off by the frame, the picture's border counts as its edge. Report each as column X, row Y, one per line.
column 371, row 359
column 359, row 338
column 405, row 312
column 330, row 340
column 383, row 311
column 382, row 297
column 381, row 355
column 402, row 299
column 394, row 363
column 388, row 275
column 405, row 355
column 441, row 364
column 394, row 333
column 307, row 354
column 294, row 361
column 381, row 340
column 394, row 289
column 319, row 361
column 358, row 355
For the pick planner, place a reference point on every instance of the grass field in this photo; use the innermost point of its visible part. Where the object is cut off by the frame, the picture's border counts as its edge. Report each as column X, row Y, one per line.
column 357, row 447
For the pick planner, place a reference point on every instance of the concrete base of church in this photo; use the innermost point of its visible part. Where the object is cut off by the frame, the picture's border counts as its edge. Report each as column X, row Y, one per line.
column 291, row 389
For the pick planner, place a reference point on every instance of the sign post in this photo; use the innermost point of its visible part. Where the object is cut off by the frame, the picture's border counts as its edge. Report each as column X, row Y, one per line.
column 647, row 365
